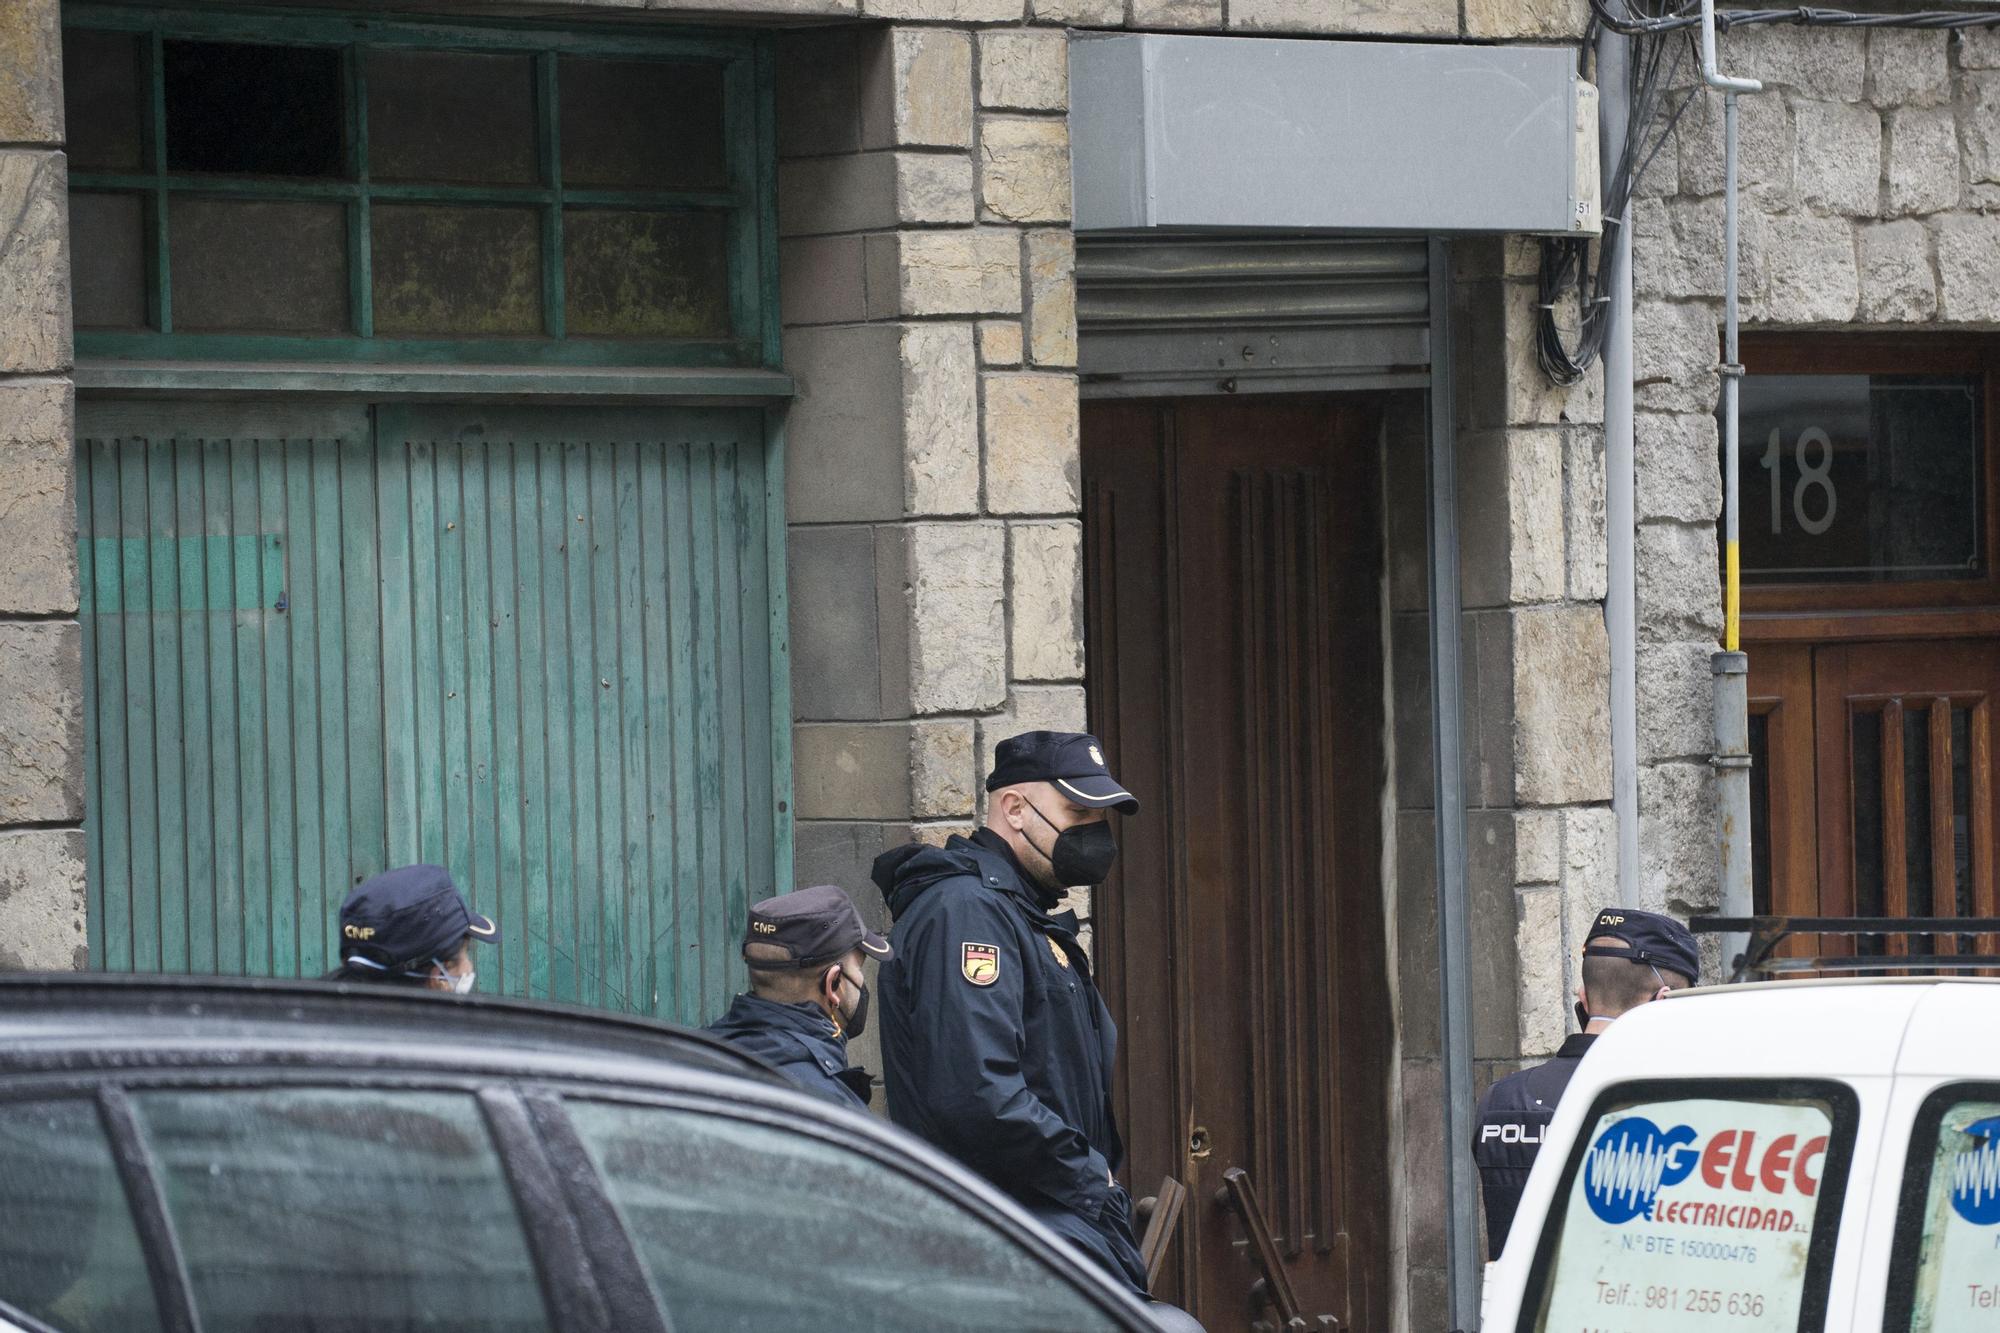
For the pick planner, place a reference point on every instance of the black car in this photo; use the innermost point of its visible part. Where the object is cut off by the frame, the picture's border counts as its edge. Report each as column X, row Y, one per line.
column 254, row 1156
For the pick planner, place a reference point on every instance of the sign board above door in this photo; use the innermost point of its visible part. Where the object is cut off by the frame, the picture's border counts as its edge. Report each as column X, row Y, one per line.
column 1266, row 133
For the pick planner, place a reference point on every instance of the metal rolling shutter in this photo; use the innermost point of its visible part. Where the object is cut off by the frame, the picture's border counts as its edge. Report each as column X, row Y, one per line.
column 1186, row 314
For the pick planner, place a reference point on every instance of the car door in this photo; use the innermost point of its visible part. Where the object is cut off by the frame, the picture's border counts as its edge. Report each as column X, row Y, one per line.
column 749, row 1215
column 241, row 1206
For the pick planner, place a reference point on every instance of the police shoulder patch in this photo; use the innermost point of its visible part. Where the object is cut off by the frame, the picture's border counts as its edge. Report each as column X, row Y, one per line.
column 980, row 963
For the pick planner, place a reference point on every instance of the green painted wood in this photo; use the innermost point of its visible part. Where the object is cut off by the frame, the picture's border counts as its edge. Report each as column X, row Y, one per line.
column 250, row 25
column 533, row 644
column 749, row 201
column 779, row 620
column 629, row 926
column 141, row 946
column 658, row 386
column 683, row 627
column 227, row 582
column 197, row 769
column 93, row 726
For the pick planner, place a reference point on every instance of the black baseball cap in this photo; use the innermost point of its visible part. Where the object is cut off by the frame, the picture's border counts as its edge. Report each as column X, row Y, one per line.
column 812, row 927
column 406, row 916
column 1649, row 938
column 1072, row 760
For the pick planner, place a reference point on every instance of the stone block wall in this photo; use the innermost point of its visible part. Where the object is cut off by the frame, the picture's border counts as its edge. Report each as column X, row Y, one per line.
column 934, row 486
column 1869, row 172
column 41, row 661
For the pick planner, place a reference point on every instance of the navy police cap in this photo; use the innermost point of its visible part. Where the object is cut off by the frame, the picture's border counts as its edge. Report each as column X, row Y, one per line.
column 408, row 916
column 1072, row 761
column 1649, row 938
column 808, row 928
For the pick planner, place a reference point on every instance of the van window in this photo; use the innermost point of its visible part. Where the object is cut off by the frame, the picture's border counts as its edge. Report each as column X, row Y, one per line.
column 1943, row 1275
column 1690, row 1206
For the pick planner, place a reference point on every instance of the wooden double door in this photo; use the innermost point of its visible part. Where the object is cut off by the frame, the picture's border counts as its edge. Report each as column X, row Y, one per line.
column 1232, row 555
column 1873, row 783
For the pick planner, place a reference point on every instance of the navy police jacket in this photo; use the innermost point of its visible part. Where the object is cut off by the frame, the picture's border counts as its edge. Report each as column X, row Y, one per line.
column 799, row 1041
column 995, row 1044
column 1513, row 1116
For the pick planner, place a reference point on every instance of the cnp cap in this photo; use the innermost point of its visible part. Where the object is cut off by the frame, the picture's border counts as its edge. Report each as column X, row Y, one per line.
column 1072, row 760
column 809, row 928
column 405, row 916
column 1649, row 938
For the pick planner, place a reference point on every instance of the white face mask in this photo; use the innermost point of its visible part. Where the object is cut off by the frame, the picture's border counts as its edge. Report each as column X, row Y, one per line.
column 460, row 983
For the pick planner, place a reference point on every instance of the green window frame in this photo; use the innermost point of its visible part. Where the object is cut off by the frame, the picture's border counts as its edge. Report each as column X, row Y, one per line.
column 747, row 200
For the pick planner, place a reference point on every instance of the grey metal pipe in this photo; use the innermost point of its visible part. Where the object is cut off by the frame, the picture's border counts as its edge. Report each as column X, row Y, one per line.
column 1730, row 667
column 1731, row 672
column 1454, row 908
column 1621, row 593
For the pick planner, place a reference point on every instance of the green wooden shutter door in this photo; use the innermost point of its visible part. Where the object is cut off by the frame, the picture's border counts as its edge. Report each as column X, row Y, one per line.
column 532, row 644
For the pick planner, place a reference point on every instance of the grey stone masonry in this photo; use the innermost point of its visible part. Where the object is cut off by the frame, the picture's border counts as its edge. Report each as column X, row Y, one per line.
column 930, row 323
column 41, row 667
column 1868, row 172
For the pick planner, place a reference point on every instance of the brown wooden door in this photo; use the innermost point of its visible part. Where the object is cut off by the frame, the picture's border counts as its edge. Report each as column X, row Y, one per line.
column 1232, row 570
column 1876, row 768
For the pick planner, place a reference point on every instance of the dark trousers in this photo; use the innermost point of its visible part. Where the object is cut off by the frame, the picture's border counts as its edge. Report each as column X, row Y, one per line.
column 1107, row 1240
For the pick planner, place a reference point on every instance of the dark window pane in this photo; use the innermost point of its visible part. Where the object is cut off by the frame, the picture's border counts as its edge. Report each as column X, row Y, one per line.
column 703, row 1197
column 71, row 1256
column 257, row 266
column 1867, row 824
column 646, row 275
column 306, row 1208
column 102, row 96
column 440, row 269
column 245, row 110
column 1760, row 813
column 107, row 241
column 451, row 116
column 646, row 124
column 1862, row 478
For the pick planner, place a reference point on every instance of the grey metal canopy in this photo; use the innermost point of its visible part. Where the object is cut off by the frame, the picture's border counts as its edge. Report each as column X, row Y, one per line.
column 1182, row 132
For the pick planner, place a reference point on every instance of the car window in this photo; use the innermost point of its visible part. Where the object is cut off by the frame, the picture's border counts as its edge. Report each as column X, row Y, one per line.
column 743, row 1225
column 347, row 1209
column 71, row 1256
column 1944, row 1274
column 1689, row 1207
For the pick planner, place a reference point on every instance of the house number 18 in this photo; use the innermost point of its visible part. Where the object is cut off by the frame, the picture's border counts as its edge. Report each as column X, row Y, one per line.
column 1812, row 476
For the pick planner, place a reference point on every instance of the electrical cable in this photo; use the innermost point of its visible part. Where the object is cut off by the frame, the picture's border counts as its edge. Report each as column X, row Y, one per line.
column 1567, row 261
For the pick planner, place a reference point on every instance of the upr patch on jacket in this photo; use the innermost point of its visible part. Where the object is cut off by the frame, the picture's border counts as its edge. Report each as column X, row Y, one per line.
column 980, row 963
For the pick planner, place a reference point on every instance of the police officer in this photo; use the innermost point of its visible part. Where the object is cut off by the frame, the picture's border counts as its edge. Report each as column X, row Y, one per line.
column 411, row 927
column 995, row 1044
column 807, row 993
column 1629, row 958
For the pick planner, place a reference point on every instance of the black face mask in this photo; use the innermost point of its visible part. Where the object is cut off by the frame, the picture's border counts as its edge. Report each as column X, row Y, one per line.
column 856, row 1023
column 1080, row 855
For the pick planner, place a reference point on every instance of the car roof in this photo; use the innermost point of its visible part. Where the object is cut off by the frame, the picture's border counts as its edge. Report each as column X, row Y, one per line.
column 1798, row 1029
column 74, row 1022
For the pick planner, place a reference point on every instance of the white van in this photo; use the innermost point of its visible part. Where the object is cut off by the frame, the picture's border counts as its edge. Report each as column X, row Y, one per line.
column 1795, row 1155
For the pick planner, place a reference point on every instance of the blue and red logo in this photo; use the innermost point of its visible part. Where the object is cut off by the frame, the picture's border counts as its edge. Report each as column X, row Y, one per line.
column 1634, row 1161
column 1975, row 1175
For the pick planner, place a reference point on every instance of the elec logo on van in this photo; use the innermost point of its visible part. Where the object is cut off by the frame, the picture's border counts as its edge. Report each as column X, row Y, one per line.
column 1975, row 1175
column 1630, row 1164
column 1634, row 1160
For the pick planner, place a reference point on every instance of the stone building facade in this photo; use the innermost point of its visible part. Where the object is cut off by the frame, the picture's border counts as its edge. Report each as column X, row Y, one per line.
column 934, row 504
